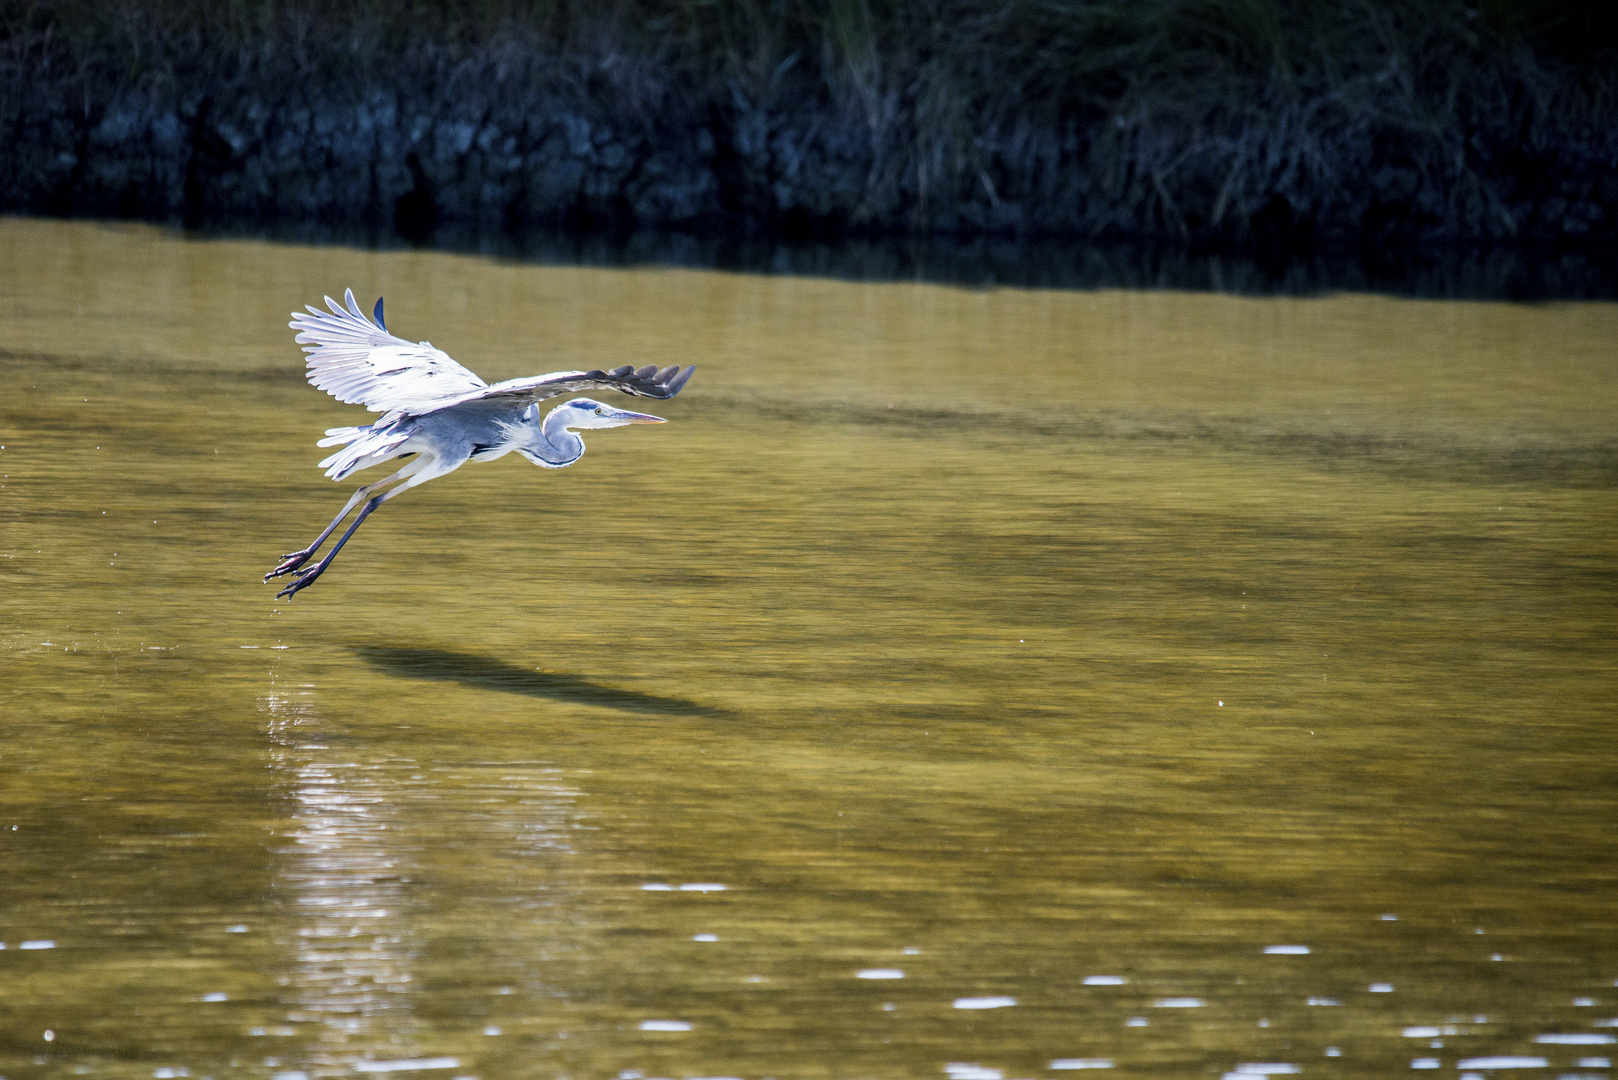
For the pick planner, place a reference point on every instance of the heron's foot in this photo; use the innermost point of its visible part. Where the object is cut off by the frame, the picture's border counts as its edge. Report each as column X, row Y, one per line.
column 289, row 563
column 304, row 579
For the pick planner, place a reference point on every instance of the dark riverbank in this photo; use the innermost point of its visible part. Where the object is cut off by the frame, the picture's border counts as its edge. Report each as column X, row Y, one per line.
column 1217, row 124
column 1515, row 272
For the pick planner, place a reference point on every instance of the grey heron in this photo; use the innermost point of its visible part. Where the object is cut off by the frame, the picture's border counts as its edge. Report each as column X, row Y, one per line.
column 441, row 413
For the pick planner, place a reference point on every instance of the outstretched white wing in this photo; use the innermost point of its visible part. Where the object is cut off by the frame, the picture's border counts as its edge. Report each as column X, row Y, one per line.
column 358, row 362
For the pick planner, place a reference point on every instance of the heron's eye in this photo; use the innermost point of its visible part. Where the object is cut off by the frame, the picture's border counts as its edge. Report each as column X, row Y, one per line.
column 600, row 411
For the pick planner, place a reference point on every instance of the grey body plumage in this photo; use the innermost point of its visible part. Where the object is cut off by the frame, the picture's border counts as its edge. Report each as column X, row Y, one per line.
column 441, row 413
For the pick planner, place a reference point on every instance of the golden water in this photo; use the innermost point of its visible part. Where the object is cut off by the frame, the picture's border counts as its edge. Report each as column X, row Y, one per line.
column 1005, row 639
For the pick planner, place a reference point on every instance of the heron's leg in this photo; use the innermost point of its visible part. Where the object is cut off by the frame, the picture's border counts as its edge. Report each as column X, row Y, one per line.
column 424, row 468
column 307, row 577
column 292, row 561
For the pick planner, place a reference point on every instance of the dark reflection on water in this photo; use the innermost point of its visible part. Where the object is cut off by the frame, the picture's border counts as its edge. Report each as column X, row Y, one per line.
column 1451, row 273
column 486, row 672
column 1469, row 455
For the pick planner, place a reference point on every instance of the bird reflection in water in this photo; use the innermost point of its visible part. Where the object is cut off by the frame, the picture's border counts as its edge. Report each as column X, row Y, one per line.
column 344, row 877
column 362, row 829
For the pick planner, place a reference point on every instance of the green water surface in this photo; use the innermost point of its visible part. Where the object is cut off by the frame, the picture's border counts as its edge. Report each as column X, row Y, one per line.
column 1044, row 656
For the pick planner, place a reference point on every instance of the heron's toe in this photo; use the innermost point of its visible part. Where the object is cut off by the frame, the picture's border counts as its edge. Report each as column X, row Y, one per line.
column 288, row 564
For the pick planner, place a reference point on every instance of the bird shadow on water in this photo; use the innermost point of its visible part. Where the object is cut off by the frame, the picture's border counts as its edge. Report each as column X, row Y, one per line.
column 489, row 673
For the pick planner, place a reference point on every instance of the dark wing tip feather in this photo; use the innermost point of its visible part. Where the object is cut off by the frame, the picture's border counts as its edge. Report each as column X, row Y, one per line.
column 674, row 378
column 378, row 314
column 664, row 383
column 649, row 381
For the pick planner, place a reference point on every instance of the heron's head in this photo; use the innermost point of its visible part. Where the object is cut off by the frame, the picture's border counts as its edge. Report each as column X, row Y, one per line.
column 583, row 413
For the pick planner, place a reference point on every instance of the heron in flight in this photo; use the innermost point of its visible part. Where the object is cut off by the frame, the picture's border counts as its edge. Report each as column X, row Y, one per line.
column 441, row 414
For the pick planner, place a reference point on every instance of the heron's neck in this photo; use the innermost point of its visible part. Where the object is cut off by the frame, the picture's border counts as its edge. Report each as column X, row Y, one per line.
column 555, row 444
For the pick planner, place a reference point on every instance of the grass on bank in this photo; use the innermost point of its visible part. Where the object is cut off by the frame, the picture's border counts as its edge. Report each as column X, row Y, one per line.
column 1046, row 50
column 958, row 97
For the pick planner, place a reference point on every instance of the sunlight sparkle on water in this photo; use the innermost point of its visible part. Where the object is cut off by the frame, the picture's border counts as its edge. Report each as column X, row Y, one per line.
column 960, row 1070
column 406, row 1065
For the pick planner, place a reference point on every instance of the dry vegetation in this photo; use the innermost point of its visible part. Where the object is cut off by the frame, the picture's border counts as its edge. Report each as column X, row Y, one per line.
column 1211, row 120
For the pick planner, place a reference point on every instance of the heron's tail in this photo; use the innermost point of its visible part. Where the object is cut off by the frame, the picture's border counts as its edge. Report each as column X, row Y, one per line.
column 365, row 446
column 342, row 436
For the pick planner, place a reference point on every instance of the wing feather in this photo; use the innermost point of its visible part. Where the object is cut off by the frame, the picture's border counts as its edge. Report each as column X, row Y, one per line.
column 358, row 362
column 649, row 381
